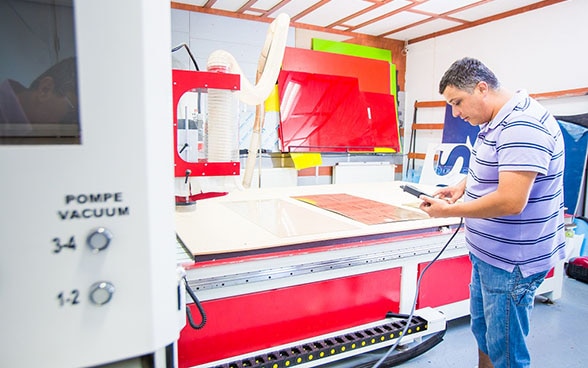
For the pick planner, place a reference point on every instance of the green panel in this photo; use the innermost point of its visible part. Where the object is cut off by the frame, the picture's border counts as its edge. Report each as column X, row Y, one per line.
column 351, row 49
column 393, row 79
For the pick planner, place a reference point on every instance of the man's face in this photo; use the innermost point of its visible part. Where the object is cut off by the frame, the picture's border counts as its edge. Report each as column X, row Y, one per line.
column 50, row 106
column 470, row 106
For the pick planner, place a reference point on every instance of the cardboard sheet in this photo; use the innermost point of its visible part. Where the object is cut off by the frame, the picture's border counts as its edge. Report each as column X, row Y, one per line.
column 364, row 210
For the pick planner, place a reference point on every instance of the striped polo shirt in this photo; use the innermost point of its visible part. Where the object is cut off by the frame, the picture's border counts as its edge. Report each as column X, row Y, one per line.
column 523, row 136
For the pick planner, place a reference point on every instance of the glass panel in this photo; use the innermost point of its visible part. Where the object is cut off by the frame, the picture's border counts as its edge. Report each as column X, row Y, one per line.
column 190, row 126
column 38, row 73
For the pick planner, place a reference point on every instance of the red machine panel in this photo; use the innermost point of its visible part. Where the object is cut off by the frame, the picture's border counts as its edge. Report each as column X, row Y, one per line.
column 184, row 81
column 446, row 281
column 251, row 322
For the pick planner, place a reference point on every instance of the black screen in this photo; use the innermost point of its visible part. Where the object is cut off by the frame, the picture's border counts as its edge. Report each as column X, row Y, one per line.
column 38, row 74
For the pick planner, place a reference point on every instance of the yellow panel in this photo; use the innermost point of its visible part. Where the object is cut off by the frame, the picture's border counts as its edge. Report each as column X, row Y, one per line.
column 272, row 103
column 306, row 159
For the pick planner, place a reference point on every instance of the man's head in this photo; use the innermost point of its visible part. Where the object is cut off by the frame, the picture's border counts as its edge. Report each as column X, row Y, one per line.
column 52, row 97
column 468, row 86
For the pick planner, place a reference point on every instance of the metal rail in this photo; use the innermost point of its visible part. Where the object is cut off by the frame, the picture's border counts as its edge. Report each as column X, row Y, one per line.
column 402, row 249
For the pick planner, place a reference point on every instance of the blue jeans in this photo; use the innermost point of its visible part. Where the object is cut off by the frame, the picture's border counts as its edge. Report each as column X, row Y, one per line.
column 500, row 306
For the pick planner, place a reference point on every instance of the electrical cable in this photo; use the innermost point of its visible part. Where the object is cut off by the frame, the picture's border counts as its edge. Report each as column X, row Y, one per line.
column 418, row 286
column 402, row 356
column 189, row 53
column 198, row 305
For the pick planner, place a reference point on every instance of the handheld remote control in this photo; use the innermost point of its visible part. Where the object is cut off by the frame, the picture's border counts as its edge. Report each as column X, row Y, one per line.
column 414, row 191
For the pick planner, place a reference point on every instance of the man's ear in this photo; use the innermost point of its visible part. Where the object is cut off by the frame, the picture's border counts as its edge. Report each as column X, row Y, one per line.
column 482, row 87
column 46, row 88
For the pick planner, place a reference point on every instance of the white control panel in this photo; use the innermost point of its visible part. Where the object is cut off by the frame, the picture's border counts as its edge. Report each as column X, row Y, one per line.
column 88, row 269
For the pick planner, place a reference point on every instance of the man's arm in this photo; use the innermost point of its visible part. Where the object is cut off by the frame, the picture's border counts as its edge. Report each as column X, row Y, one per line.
column 510, row 198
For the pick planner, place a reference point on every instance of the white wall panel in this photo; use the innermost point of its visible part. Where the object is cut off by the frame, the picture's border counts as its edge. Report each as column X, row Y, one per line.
column 540, row 51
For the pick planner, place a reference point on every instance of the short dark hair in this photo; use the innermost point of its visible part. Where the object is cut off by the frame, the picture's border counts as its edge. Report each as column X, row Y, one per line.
column 64, row 75
column 466, row 73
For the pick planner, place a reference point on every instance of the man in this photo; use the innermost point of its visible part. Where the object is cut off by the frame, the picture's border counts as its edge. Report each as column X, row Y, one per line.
column 513, row 207
column 47, row 107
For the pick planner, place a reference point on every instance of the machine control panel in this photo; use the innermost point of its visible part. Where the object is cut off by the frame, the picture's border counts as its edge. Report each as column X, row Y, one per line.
column 87, row 190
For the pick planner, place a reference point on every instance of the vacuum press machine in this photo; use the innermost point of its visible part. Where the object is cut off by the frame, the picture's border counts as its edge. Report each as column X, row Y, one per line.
column 320, row 275
column 310, row 275
column 88, row 275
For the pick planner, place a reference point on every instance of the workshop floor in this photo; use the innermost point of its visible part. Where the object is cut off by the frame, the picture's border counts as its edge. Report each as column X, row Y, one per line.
column 557, row 339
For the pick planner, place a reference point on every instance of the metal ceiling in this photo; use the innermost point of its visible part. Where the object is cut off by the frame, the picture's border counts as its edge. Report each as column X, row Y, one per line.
column 405, row 20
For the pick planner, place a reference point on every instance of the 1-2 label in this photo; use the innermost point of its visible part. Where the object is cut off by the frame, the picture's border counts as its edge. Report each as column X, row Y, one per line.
column 71, row 298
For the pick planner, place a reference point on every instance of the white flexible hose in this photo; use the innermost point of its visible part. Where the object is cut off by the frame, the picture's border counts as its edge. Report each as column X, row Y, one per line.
column 222, row 134
column 276, row 42
column 250, row 94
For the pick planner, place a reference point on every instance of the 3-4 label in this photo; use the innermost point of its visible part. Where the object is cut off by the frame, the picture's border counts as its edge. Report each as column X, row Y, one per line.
column 58, row 244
